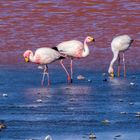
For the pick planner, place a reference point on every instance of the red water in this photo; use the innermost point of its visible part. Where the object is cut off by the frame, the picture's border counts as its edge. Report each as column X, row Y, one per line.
column 29, row 24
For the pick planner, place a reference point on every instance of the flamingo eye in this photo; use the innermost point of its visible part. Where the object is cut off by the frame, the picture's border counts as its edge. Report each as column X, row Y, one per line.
column 90, row 39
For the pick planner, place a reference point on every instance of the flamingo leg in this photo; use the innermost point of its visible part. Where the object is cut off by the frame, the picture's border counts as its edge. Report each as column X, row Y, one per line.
column 124, row 65
column 69, row 78
column 71, row 69
column 119, row 65
column 44, row 73
column 48, row 77
column 43, row 77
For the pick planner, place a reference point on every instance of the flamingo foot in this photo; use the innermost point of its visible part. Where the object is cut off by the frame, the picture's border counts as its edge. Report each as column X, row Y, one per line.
column 69, row 79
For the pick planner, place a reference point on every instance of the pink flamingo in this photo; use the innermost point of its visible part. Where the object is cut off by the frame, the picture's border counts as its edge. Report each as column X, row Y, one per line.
column 74, row 49
column 44, row 56
column 119, row 44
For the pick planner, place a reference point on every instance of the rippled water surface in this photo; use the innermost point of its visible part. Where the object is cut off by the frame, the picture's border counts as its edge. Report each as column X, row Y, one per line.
column 28, row 24
column 68, row 112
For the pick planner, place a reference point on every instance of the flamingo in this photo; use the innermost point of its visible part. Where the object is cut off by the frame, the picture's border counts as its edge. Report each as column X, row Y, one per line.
column 43, row 56
column 119, row 44
column 74, row 49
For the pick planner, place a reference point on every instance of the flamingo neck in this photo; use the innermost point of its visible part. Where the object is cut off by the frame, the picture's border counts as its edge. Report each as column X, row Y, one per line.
column 86, row 50
column 113, row 61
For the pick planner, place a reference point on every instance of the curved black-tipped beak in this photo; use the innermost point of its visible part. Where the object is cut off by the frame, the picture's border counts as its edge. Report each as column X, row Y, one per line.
column 93, row 40
column 26, row 59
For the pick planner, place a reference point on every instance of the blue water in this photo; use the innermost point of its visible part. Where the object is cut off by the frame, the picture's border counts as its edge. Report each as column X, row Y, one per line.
column 68, row 111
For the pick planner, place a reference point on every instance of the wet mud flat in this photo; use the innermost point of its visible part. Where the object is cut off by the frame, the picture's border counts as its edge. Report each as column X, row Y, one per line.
column 108, row 108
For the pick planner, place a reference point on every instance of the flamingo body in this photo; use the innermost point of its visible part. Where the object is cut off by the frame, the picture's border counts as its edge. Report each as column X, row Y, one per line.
column 42, row 56
column 119, row 44
column 74, row 49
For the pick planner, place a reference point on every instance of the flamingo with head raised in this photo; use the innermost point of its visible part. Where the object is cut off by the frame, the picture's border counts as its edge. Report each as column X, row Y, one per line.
column 119, row 44
column 43, row 56
column 74, row 49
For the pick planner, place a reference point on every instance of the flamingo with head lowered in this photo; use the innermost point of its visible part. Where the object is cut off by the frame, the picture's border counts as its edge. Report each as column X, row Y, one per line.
column 74, row 49
column 43, row 56
column 119, row 44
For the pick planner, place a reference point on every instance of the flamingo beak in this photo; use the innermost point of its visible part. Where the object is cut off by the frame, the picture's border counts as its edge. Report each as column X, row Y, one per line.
column 26, row 59
column 112, row 74
column 93, row 40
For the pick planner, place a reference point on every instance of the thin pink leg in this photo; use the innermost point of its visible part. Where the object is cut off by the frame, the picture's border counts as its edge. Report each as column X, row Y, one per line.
column 43, row 77
column 124, row 65
column 119, row 65
column 49, row 83
column 44, row 73
column 71, row 69
column 61, row 62
column 42, row 81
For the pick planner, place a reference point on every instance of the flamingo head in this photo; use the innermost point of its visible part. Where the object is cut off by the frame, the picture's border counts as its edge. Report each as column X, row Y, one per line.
column 89, row 39
column 26, row 55
column 111, row 71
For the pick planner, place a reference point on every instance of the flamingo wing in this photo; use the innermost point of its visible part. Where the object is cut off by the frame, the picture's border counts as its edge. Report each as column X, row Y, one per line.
column 121, row 43
column 70, row 47
column 46, row 55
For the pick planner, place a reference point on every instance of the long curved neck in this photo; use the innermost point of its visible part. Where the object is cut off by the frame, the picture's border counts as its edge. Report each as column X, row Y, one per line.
column 31, row 57
column 114, row 59
column 86, row 50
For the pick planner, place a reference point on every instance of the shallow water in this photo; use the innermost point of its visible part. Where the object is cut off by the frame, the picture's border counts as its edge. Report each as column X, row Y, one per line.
column 68, row 112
